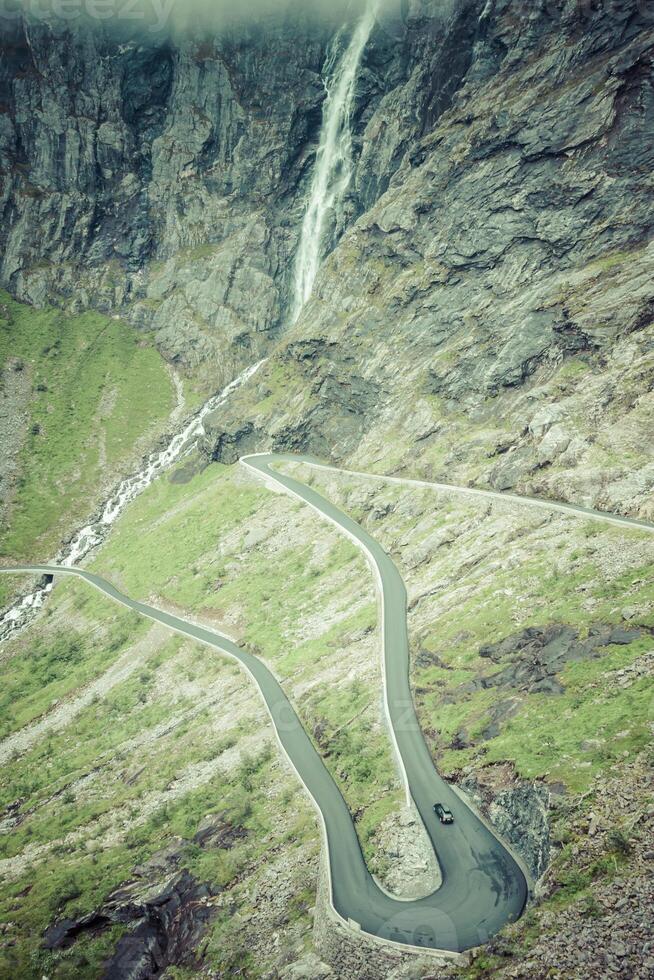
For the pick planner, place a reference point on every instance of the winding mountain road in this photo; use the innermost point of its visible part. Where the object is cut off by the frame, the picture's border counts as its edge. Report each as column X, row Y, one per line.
column 483, row 887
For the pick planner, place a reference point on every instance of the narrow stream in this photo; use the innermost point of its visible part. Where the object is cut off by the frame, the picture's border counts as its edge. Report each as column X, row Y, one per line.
column 94, row 533
column 331, row 178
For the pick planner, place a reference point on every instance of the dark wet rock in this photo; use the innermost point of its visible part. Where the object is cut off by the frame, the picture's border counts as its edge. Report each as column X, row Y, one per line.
column 63, row 934
column 537, row 654
column 170, row 929
column 473, row 685
column 499, row 712
column 621, row 637
column 461, row 740
column 166, row 910
column 546, row 685
column 518, row 809
column 237, row 441
column 425, row 658
column 345, row 403
column 217, row 831
column 531, row 638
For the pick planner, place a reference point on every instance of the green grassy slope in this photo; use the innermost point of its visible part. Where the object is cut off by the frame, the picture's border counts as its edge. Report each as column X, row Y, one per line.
column 136, row 767
column 97, row 398
column 218, row 545
column 189, row 545
column 500, row 569
column 89, row 810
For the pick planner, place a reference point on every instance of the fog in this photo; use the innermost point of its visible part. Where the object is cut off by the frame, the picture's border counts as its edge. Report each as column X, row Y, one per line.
column 181, row 15
column 158, row 15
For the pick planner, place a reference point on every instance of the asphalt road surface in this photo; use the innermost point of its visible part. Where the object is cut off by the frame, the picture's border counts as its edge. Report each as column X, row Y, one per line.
column 483, row 887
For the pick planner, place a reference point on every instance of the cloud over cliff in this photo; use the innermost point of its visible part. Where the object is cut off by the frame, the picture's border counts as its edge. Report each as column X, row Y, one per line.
column 180, row 14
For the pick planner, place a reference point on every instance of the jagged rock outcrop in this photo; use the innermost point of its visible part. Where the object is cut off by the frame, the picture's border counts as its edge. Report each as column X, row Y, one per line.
column 519, row 811
column 536, row 655
column 165, row 909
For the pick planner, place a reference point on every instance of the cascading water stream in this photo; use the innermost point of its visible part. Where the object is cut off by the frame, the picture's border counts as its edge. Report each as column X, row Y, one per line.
column 333, row 170
column 93, row 534
column 331, row 179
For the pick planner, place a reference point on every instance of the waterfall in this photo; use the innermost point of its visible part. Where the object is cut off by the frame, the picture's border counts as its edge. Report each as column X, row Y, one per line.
column 333, row 170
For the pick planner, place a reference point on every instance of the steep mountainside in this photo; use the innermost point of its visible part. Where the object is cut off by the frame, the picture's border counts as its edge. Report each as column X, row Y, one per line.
column 483, row 315
column 81, row 401
column 502, row 284
column 166, row 177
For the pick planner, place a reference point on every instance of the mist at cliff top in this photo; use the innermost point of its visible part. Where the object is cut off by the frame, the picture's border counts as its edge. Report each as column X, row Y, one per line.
column 162, row 14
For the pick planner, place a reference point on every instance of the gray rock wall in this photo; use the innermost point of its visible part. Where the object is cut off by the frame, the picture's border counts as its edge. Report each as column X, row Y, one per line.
column 121, row 155
column 164, row 176
column 513, row 238
column 519, row 813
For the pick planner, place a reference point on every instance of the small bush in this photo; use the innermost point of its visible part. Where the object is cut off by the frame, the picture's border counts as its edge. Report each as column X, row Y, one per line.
column 618, row 841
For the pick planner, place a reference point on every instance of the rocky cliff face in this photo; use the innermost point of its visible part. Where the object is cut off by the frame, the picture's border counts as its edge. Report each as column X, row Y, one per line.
column 502, row 283
column 493, row 261
column 164, row 176
column 147, row 176
column 518, row 810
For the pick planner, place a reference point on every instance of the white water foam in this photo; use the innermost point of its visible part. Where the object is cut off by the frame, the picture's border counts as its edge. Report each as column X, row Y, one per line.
column 93, row 534
column 333, row 170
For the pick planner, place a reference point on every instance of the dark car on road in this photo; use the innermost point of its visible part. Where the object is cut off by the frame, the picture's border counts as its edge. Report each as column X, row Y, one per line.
column 443, row 814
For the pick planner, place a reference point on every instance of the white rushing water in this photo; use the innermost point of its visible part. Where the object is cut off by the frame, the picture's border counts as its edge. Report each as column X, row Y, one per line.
column 331, row 178
column 93, row 534
column 333, row 170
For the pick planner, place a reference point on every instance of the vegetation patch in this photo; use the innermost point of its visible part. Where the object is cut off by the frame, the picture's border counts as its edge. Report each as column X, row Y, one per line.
column 50, row 664
column 135, row 773
column 98, row 397
column 213, row 546
column 498, row 570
